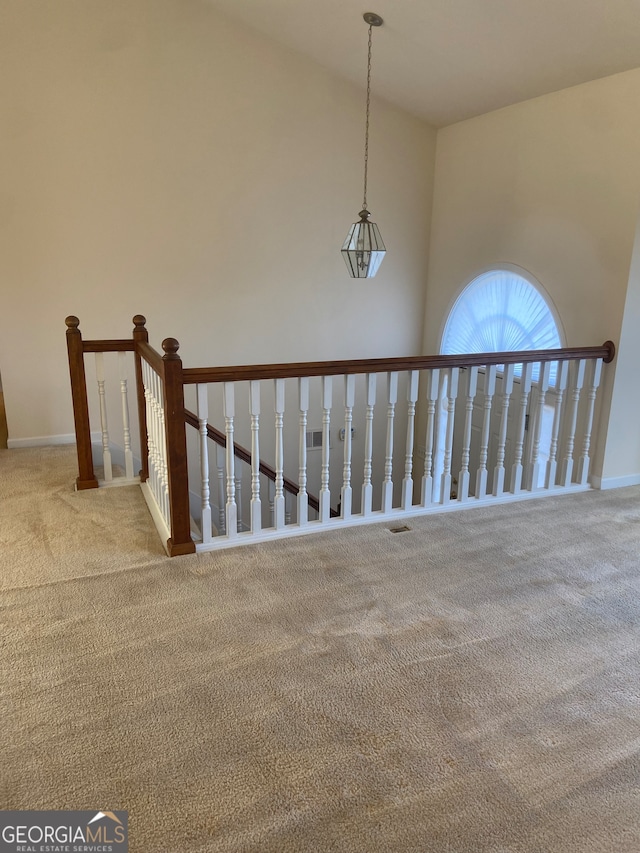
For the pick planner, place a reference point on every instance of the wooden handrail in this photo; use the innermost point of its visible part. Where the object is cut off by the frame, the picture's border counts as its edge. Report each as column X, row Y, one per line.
column 124, row 345
column 194, row 375
column 146, row 351
column 245, row 455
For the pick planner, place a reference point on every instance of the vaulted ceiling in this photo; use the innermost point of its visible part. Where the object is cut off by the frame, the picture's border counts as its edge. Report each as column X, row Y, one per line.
column 447, row 60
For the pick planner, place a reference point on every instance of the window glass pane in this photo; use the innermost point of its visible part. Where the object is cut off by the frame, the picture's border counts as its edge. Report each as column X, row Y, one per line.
column 501, row 311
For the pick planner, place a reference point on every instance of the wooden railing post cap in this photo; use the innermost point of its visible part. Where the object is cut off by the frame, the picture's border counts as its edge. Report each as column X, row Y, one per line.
column 72, row 323
column 139, row 321
column 612, row 351
column 170, row 347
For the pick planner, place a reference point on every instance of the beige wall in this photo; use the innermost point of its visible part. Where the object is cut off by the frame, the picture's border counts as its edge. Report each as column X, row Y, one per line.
column 551, row 185
column 161, row 159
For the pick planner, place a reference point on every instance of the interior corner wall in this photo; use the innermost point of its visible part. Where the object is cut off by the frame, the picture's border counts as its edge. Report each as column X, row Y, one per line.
column 551, row 185
column 164, row 160
column 621, row 463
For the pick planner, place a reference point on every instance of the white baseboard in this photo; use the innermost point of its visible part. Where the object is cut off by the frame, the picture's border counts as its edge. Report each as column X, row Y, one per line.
column 41, row 441
column 47, row 440
column 615, row 482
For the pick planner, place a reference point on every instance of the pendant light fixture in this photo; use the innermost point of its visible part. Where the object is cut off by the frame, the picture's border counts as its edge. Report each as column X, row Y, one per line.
column 363, row 250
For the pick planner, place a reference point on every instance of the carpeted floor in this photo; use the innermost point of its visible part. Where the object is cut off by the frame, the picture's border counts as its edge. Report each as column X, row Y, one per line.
column 470, row 685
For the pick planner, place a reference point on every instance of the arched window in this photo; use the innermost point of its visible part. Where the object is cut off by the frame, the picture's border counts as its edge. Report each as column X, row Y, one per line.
column 500, row 311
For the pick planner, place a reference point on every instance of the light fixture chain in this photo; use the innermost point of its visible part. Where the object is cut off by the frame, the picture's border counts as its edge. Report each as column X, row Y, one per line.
column 366, row 133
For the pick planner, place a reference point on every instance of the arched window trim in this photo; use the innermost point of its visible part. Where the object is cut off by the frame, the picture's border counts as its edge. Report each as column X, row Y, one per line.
column 513, row 320
column 506, row 268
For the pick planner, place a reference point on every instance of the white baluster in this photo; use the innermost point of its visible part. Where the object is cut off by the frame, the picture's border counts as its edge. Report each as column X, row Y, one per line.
column 407, row 483
column 162, row 443
column 220, row 460
column 325, row 494
column 238, row 475
column 106, row 452
column 151, row 458
column 303, row 497
column 387, row 486
column 346, row 493
column 578, row 381
column 203, row 416
column 126, row 427
column 560, row 387
column 583, row 462
column 489, row 391
column 272, row 497
column 158, row 467
column 279, row 411
column 525, row 390
column 507, row 390
column 433, row 390
column 464, row 477
column 229, row 415
column 152, row 432
column 543, row 387
column 287, row 508
column 254, row 408
column 452, row 393
column 367, row 488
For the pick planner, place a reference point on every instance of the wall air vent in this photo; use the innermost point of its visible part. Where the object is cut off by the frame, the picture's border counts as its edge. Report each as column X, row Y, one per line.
column 314, row 439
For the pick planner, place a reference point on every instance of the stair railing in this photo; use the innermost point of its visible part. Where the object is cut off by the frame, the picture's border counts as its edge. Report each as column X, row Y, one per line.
column 487, row 427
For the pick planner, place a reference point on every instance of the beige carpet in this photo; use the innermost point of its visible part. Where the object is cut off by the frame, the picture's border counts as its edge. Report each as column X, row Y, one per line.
column 470, row 685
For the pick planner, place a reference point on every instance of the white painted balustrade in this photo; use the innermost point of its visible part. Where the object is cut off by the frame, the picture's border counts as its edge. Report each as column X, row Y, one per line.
column 480, row 433
column 277, row 452
column 156, row 487
column 116, row 456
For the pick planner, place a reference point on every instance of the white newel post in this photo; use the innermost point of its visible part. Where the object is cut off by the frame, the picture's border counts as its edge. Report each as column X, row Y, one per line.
column 279, row 412
column 106, row 452
column 325, row 494
column 433, row 390
column 583, row 462
column 464, row 477
column 367, row 487
column 254, row 410
column 507, row 390
column 303, row 497
column 525, row 390
column 560, row 387
column 126, row 427
column 412, row 397
column 203, row 417
column 231, row 521
column 452, row 394
column 387, row 486
column 578, row 381
column 489, row 391
column 346, row 493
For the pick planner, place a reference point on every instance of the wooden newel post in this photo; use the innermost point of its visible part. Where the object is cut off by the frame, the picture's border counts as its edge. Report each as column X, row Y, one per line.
column 86, row 477
column 176, row 434
column 140, row 335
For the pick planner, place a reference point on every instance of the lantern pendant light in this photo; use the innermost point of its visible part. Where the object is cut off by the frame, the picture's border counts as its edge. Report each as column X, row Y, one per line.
column 363, row 250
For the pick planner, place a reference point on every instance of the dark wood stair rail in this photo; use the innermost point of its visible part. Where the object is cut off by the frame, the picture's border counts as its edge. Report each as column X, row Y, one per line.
column 174, row 377
column 245, row 455
column 194, row 375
